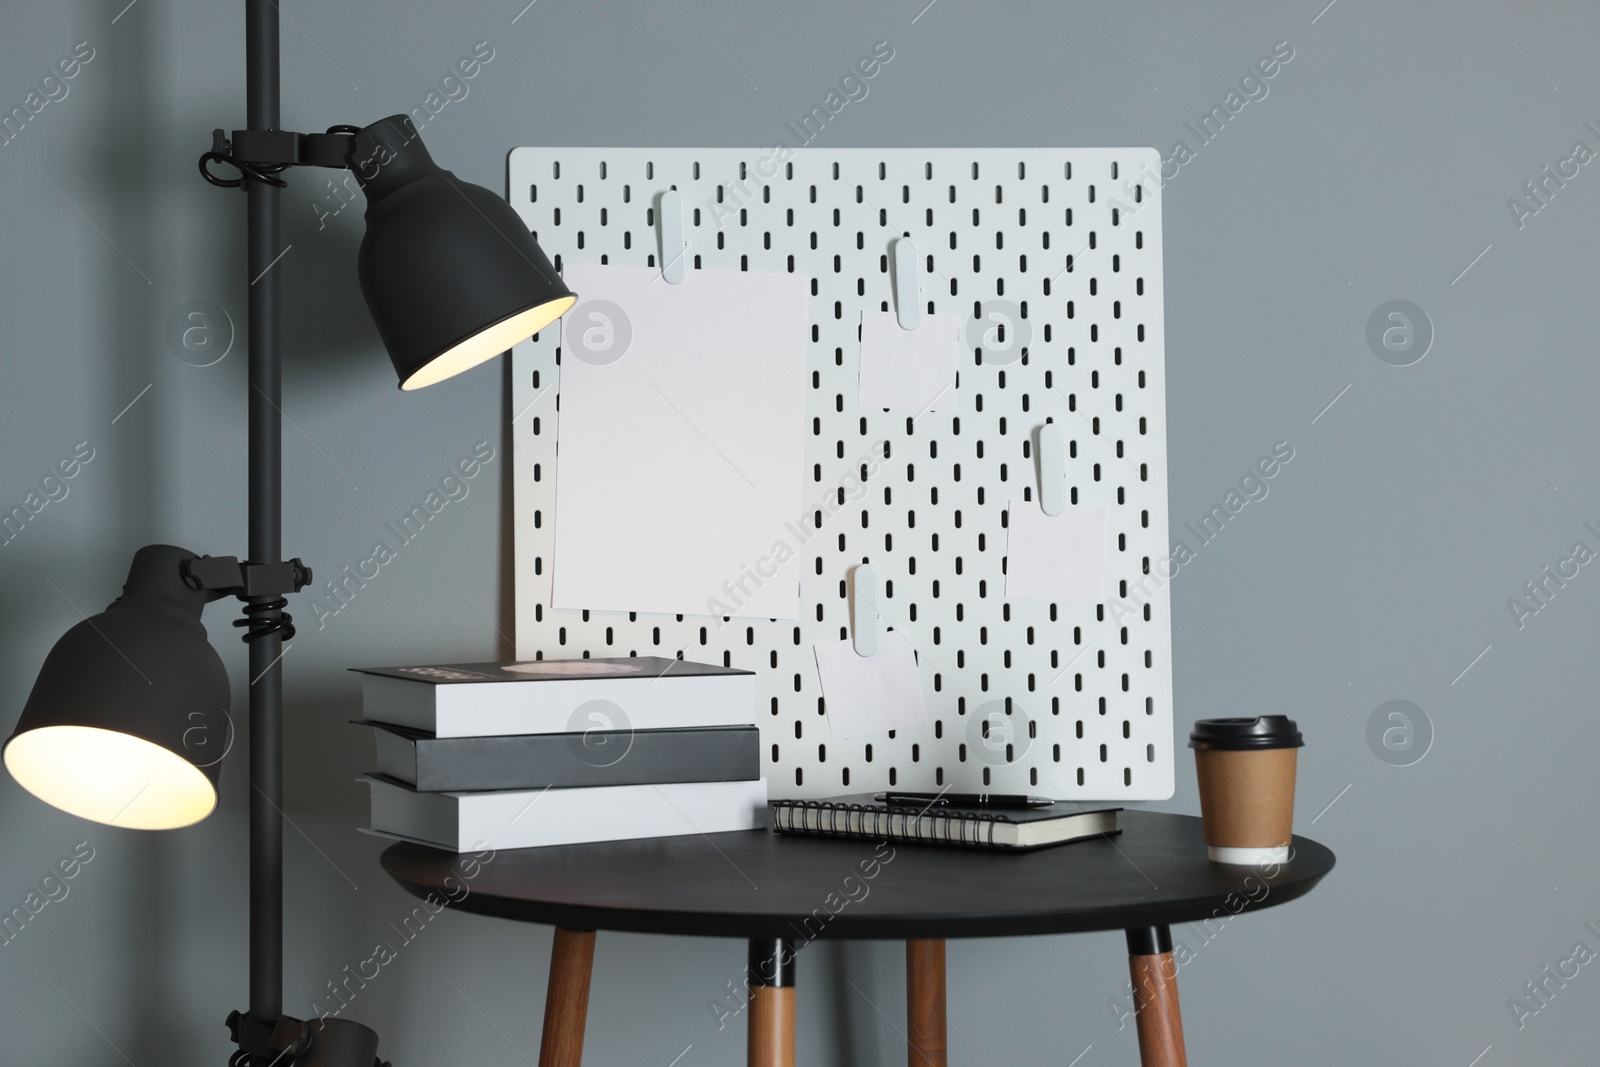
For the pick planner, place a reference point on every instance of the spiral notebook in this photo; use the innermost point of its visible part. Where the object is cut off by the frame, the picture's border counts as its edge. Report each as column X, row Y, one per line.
column 1013, row 829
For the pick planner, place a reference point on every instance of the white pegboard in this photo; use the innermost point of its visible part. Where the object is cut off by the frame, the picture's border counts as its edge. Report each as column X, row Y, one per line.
column 1071, row 237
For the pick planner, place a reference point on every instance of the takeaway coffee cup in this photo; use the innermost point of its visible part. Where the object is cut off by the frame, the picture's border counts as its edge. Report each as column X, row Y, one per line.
column 1246, row 770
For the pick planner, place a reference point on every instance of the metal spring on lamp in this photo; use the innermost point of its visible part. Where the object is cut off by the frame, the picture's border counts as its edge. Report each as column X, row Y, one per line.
column 263, row 618
column 246, row 170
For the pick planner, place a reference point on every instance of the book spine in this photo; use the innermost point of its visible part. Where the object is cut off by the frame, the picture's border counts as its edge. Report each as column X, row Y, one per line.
column 822, row 819
column 596, row 758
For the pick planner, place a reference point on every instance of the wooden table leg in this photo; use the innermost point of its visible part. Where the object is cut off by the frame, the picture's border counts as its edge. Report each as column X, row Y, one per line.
column 1155, row 997
column 566, row 999
column 770, row 980
column 925, row 1012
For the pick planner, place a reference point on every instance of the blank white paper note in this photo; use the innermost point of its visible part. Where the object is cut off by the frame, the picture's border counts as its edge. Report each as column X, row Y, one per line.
column 866, row 695
column 913, row 369
column 681, row 442
column 1061, row 559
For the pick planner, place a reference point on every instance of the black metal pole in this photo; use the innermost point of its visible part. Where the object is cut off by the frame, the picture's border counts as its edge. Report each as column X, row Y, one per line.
column 266, row 528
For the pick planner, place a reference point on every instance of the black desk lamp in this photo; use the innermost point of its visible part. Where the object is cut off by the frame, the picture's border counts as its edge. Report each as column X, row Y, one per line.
column 128, row 720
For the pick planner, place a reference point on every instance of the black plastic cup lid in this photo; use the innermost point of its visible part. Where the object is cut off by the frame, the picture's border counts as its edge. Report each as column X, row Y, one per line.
column 1238, row 735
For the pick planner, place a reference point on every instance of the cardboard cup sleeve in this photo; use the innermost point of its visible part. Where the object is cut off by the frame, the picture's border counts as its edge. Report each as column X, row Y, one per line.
column 1246, row 771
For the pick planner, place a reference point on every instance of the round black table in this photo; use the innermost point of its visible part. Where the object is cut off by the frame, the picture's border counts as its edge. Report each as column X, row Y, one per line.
column 782, row 892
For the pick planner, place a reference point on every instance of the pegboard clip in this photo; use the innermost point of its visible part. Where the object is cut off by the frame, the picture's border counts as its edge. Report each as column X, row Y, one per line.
column 670, row 230
column 865, row 589
column 1052, row 456
column 907, row 284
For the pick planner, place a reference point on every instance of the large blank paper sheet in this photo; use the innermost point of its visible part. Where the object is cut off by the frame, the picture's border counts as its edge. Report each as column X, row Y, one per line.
column 681, row 442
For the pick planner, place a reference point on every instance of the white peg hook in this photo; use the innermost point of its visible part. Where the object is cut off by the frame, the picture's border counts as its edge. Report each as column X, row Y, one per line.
column 907, row 284
column 670, row 229
column 1052, row 449
column 865, row 590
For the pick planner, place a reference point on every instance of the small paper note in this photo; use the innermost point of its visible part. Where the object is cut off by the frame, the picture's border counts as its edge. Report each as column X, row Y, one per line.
column 867, row 695
column 1061, row 559
column 913, row 369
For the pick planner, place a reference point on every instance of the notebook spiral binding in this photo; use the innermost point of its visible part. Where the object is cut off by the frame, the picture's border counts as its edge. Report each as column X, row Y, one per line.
column 969, row 829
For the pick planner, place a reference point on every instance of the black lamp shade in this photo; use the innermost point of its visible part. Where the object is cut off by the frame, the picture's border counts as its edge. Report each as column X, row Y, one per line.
column 127, row 723
column 450, row 273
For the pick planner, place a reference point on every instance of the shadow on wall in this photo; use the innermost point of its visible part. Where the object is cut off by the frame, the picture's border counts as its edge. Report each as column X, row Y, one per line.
column 328, row 751
column 329, row 341
column 856, row 1030
column 148, row 862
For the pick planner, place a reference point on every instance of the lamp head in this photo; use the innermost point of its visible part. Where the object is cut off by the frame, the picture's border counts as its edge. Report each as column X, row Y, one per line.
column 127, row 723
column 449, row 271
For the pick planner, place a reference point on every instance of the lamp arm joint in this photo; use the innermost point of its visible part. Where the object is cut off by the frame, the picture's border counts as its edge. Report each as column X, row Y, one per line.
column 260, row 155
column 223, row 576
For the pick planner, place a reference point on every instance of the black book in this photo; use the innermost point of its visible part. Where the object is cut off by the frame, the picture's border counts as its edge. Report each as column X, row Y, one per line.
column 987, row 827
column 595, row 758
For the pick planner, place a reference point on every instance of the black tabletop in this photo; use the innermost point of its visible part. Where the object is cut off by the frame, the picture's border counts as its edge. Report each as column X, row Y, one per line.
column 757, row 884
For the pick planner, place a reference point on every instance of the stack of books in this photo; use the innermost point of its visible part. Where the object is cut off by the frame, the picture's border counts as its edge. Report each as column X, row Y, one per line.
column 551, row 752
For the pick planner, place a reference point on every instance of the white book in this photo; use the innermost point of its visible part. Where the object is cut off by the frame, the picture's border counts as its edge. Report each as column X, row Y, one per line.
column 559, row 696
column 468, row 822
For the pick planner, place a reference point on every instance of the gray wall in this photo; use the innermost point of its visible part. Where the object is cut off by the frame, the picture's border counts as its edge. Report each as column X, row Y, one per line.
column 1378, row 167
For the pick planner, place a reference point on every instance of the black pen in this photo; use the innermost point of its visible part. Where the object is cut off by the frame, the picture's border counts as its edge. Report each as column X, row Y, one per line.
column 963, row 800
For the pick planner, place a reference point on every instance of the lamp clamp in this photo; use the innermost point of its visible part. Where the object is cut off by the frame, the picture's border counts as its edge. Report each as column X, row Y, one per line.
column 279, row 1040
column 230, row 576
column 262, row 154
column 260, row 585
column 286, row 1040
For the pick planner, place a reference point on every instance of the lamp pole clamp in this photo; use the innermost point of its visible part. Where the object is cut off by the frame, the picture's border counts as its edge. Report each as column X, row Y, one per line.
column 283, row 1038
column 260, row 585
column 262, row 154
column 287, row 1041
